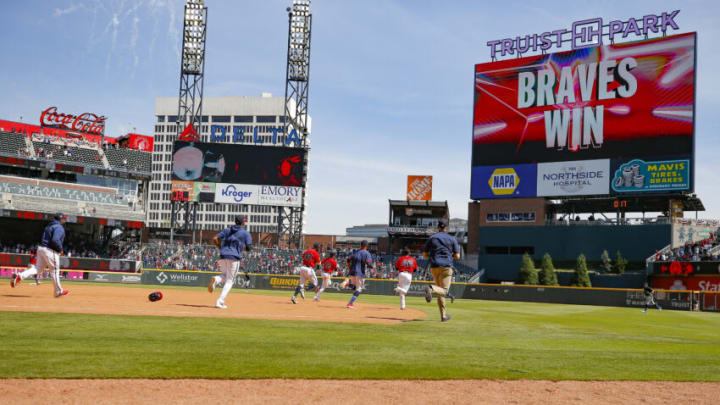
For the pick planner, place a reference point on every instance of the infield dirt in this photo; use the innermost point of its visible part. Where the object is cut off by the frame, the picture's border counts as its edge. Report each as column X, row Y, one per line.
column 274, row 391
column 112, row 300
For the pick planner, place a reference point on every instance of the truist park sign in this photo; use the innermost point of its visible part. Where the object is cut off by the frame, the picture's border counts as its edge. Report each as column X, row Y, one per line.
column 583, row 34
column 88, row 123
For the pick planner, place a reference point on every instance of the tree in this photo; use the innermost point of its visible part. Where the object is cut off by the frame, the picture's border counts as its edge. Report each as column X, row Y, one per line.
column 620, row 263
column 606, row 262
column 580, row 277
column 547, row 272
column 528, row 272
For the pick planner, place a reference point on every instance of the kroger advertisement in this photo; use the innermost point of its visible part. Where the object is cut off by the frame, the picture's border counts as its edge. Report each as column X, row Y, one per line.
column 254, row 194
column 238, row 164
column 630, row 100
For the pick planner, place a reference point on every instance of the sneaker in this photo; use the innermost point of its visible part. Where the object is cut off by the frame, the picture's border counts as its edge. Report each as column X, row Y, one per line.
column 211, row 286
column 447, row 318
column 402, row 307
column 316, row 298
column 220, row 305
column 452, row 298
column 350, row 306
column 293, row 299
column 302, row 294
column 15, row 280
column 659, row 308
column 645, row 311
column 428, row 294
column 61, row 293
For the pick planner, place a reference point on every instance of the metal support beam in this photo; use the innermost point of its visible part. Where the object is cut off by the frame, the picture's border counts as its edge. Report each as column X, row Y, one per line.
column 297, row 90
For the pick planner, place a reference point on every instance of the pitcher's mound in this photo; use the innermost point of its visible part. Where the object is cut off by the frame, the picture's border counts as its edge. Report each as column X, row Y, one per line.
column 118, row 300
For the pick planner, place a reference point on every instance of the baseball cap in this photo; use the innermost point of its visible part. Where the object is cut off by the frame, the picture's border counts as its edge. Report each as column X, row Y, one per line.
column 442, row 223
column 59, row 216
column 240, row 219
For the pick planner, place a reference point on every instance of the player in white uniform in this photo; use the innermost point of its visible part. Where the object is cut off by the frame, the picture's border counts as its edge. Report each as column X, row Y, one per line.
column 405, row 266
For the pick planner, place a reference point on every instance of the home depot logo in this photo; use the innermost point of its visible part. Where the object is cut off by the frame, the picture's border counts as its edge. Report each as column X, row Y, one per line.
column 504, row 181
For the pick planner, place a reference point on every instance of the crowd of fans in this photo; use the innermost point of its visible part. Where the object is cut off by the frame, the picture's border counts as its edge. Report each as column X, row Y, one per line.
column 83, row 248
column 692, row 252
column 200, row 257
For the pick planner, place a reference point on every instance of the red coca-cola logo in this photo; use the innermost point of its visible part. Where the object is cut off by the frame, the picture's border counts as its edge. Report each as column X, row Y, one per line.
column 88, row 123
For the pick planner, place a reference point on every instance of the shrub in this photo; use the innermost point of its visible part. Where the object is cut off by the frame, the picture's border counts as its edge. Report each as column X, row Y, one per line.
column 581, row 278
column 547, row 271
column 528, row 273
column 606, row 262
column 620, row 263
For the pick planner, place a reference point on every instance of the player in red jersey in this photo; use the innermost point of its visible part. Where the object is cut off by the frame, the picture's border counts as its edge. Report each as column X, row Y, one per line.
column 310, row 260
column 328, row 267
column 30, row 271
column 405, row 266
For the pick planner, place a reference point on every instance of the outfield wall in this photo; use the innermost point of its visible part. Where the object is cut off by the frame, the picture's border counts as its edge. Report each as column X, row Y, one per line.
column 678, row 300
column 668, row 299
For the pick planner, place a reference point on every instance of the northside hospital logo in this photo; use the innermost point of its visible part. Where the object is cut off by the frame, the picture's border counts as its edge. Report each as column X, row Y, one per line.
column 504, row 181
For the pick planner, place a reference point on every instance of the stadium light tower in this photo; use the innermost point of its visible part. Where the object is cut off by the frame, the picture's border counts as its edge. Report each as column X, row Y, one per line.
column 297, row 79
column 297, row 85
column 192, row 73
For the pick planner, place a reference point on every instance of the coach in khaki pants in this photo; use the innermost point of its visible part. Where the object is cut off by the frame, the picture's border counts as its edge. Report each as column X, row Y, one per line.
column 441, row 249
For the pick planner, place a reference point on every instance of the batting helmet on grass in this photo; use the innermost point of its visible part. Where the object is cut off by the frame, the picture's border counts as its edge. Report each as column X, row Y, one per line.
column 155, row 296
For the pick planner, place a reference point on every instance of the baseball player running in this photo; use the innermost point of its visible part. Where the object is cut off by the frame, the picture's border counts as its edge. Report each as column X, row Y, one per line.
column 358, row 263
column 328, row 266
column 649, row 298
column 47, row 255
column 310, row 259
column 231, row 241
column 405, row 266
column 29, row 272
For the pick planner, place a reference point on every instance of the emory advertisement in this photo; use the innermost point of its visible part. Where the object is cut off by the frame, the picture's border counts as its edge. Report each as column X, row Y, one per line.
column 252, row 194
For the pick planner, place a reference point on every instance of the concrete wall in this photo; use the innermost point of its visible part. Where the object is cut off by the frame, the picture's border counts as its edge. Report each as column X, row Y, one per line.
column 565, row 243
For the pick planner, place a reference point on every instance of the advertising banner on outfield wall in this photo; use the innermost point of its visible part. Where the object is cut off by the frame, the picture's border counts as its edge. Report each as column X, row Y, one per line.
column 633, row 100
column 74, row 263
column 580, row 177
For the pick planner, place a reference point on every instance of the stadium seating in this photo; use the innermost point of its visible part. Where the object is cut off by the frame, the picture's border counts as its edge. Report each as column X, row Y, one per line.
column 136, row 160
column 77, row 155
column 56, row 190
column 11, row 143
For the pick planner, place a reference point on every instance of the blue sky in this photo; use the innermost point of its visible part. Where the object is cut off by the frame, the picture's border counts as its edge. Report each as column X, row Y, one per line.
column 391, row 81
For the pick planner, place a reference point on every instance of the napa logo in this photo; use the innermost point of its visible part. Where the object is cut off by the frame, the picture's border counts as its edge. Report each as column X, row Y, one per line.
column 504, row 181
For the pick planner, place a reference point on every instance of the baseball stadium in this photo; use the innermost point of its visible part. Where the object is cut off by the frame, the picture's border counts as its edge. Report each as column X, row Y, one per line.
column 177, row 267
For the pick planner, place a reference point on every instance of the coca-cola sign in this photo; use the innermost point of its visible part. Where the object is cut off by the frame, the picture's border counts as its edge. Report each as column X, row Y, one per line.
column 88, row 123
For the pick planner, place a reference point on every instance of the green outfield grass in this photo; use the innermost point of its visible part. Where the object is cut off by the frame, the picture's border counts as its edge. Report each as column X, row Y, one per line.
column 485, row 339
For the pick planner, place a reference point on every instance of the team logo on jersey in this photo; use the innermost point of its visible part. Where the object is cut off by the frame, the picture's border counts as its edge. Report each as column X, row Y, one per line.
column 504, row 181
